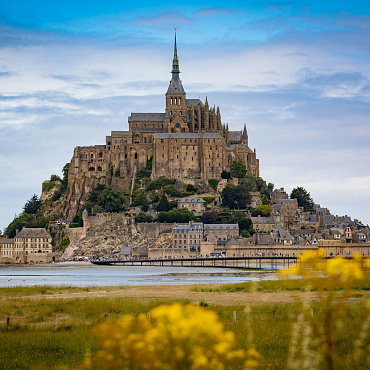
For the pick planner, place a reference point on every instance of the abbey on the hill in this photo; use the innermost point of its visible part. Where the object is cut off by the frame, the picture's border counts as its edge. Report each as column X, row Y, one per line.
column 187, row 141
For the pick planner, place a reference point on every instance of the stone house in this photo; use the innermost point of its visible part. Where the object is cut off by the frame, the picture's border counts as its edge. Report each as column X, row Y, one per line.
column 187, row 237
column 281, row 236
column 278, row 194
column 256, row 199
column 29, row 245
column 7, row 248
column 222, row 232
column 276, row 215
column 263, row 224
column 195, row 205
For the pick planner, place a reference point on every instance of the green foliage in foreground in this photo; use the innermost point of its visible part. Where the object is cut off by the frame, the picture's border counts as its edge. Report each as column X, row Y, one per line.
column 273, row 286
column 32, row 339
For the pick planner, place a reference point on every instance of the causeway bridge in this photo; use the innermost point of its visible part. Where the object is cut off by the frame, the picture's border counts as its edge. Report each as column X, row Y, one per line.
column 247, row 263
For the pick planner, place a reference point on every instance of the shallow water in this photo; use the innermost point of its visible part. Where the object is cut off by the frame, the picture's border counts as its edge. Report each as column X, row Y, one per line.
column 87, row 274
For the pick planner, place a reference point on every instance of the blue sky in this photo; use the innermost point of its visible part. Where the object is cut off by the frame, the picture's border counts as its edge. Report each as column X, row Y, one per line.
column 297, row 73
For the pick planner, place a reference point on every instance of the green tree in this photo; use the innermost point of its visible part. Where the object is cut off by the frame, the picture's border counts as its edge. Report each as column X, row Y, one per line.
column 77, row 219
column 241, row 219
column 111, row 199
column 176, row 215
column 225, row 175
column 191, row 188
column 172, row 191
column 55, row 178
column 146, row 171
column 33, row 205
column 264, row 210
column 64, row 182
column 16, row 224
column 213, row 183
column 163, row 205
column 143, row 217
column 238, row 170
column 210, row 217
column 303, row 198
column 160, row 183
column 235, row 196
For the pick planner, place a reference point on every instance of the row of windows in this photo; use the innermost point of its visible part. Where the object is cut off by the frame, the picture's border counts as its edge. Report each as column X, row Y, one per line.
column 144, row 125
column 176, row 101
column 190, row 236
column 92, row 155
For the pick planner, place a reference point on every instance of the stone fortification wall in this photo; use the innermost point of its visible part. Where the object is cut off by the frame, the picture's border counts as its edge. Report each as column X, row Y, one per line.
column 158, row 253
column 285, row 250
column 153, row 230
column 75, row 233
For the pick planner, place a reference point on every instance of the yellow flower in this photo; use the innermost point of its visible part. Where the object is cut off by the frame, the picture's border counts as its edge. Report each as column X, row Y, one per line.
column 175, row 336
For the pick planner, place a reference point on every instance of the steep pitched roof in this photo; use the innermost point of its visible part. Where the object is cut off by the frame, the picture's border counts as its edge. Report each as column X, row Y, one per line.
column 146, row 117
column 193, row 102
column 235, row 136
column 32, row 233
column 262, row 220
column 191, row 200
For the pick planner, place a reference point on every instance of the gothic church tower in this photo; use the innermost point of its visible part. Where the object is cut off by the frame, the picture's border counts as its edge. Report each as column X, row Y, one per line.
column 175, row 120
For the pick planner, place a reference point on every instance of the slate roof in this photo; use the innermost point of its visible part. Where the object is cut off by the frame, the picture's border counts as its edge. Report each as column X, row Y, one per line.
column 7, row 241
column 262, row 220
column 32, row 233
column 119, row 133
column 264, row 239
column 328, row 219
column 192, row 102
column 276, row 207
column 284, row 234
column 235, row 136
column 286, row 201
column 188, row 135
column 175, row 86
column 212, row 135
column 147, row 130
column 146, row 117
column 219, row 226
column 191, row 200
column 312, row 219
column 196, row 227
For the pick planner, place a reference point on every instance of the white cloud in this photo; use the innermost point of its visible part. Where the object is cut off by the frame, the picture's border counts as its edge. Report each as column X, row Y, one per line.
column 304, row 101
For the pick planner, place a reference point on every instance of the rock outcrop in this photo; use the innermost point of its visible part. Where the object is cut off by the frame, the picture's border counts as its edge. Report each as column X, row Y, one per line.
column 106, row 236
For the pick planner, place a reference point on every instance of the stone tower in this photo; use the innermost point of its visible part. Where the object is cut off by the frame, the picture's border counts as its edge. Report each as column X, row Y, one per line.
column 175, row 120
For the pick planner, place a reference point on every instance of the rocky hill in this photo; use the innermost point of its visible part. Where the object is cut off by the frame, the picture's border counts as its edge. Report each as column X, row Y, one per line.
column 106, row 235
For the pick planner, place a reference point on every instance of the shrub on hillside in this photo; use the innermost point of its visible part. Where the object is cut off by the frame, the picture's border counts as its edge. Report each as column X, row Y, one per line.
column 160, row 183
column 213, row 183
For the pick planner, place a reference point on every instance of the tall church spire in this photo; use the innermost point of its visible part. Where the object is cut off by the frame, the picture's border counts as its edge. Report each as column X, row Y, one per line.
column 175, row 60
column 175, row 83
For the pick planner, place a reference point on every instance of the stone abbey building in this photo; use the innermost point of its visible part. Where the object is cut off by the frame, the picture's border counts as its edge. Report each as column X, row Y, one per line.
column 187, row 141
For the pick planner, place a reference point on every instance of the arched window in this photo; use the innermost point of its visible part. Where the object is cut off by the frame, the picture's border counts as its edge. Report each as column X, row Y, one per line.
column 135, row 155
column 171, row 101
column 100, row 169
column 101, row 155
column 179, row 101
column 91, row 169
column 175, row 101
column 92, row 155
